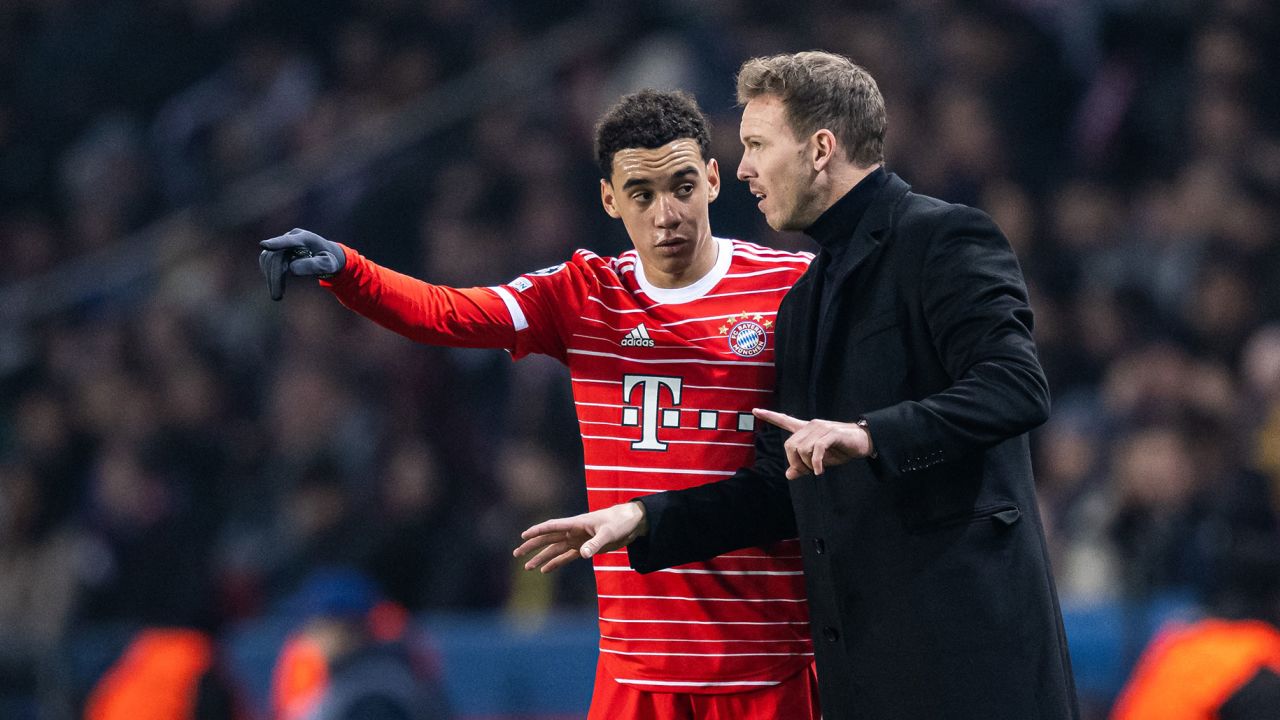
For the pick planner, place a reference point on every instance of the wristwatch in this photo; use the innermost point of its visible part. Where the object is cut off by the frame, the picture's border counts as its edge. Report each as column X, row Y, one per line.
column 866, row 427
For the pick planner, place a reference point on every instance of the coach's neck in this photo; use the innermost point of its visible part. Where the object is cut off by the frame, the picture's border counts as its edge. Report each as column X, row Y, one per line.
column 837, row 179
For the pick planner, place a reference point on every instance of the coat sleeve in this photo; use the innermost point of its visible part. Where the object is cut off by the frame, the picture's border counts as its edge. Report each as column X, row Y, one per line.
column 975, row 304
column 752, row 508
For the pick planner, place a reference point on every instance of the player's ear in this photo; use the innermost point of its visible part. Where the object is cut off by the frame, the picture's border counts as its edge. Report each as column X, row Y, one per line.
column 713, row 180
column 608, row 199
column 822, row 148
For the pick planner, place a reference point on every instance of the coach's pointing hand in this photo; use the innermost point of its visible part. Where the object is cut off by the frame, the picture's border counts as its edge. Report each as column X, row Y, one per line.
column 300, row 252
column 817, row 444
column 563, row 540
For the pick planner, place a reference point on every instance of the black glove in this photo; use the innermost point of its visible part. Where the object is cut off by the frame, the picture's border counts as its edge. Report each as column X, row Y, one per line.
column 302, row 253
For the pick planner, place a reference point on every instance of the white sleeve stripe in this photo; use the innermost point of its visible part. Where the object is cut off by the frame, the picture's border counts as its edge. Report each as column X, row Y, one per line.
column 517, row 315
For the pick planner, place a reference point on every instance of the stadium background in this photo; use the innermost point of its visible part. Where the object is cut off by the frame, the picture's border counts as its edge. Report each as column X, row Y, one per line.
column 176, row 450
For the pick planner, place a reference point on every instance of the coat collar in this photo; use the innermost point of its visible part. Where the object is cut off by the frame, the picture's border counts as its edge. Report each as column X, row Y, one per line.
column 867, row 236
column 814, row 327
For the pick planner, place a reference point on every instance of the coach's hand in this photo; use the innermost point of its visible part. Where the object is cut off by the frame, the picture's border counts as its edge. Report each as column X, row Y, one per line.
column 300, row 252
column 563, row 540
column 815, row 445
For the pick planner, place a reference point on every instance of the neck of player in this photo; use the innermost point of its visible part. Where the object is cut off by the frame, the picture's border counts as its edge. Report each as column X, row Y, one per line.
column 674, row 275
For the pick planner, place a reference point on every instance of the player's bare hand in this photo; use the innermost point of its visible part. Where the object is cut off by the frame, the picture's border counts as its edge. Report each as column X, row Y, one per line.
column 563, row 540
column 815, row 445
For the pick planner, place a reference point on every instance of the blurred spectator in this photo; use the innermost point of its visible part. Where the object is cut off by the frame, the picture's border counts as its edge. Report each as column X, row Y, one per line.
column 1226, row 666
column 43, row 561
column 356, row 657
column 164, row 674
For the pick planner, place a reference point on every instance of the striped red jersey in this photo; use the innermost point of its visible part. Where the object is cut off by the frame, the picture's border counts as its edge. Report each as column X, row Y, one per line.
column 664, row 381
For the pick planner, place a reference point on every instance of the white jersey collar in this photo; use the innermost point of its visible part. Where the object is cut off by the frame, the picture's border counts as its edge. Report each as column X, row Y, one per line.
column 695, row 290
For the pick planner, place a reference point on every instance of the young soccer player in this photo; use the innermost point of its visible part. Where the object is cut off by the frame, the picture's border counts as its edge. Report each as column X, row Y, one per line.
column 669, row 346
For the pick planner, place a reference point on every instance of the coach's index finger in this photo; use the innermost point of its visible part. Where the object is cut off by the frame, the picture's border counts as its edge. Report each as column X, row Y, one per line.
column 782, row 420
column 558, row 525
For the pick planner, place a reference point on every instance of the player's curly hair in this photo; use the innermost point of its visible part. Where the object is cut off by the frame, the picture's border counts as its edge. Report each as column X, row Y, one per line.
column 649, row 119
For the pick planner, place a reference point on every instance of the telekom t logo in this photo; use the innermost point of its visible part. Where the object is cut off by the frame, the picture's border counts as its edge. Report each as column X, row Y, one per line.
column 646, row 415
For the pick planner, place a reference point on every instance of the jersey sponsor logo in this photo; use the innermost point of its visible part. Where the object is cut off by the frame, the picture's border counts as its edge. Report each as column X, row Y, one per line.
column 521, row 284
column 748, row 335
column 650, row 413
column 638, row 337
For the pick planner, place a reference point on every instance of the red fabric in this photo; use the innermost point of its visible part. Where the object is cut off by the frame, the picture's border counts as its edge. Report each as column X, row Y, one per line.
column 793, row 698
column 431, row 314
column 664, row 383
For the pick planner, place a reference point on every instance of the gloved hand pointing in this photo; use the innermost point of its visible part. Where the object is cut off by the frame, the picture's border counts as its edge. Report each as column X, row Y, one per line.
column 300, row 252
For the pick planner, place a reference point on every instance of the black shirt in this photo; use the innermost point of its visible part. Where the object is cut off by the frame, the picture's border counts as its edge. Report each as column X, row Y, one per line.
column 834, row 227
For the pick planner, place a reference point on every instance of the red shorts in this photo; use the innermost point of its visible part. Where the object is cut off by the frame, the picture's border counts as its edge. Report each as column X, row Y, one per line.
column 795, row 698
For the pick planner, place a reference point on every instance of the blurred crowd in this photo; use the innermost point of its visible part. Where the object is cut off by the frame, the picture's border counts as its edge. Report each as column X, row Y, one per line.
column 179, row 451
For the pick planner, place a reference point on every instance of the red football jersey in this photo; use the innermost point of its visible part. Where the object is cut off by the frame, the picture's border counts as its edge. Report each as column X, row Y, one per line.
column 664, row 381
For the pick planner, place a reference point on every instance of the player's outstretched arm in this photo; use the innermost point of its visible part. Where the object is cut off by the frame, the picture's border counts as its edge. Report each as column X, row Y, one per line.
column 563, row 540
column 423, row 312
column 301, row 253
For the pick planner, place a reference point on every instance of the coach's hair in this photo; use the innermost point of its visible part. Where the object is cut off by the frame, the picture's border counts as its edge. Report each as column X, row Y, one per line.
column 822, row 90
column 649, row 119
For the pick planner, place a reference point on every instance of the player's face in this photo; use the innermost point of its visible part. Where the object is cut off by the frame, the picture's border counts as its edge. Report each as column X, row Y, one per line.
column 661, row 195
column 777, row 166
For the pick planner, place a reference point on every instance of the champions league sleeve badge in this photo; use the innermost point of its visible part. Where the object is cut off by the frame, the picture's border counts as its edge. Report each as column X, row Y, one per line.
column 747, row 334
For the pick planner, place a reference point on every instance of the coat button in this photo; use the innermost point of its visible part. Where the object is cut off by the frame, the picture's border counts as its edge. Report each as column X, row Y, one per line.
column 830, row 634
column 819, row 546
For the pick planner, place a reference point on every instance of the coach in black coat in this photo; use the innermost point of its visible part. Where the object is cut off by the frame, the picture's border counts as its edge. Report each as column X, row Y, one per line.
column 929, row 590
column 907, row 381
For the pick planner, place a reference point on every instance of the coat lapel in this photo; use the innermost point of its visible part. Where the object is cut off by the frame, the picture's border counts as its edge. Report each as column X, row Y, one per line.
column 872, row 231
column 801, row 323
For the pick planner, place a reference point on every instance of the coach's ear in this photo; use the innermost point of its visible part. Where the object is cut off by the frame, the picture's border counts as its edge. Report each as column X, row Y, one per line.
column 608, row 199
column 713, row 180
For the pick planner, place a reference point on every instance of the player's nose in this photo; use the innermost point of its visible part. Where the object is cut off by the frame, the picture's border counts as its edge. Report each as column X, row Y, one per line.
column 745, row 170
column 666, row 213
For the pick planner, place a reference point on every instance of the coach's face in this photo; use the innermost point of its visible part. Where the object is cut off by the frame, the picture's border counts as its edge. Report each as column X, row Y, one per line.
column 661, row 194
column 778, row 166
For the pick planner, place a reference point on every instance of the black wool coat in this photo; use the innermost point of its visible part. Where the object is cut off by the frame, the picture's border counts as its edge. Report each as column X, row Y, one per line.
column 930, row 592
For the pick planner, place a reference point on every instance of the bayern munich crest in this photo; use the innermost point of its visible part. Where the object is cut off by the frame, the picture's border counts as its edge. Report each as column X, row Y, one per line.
column 747, row 336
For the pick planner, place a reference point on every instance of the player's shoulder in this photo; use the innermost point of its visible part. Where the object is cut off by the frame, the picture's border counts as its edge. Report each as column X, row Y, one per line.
column 590, row 272
column 754, row 255
column 605, row 270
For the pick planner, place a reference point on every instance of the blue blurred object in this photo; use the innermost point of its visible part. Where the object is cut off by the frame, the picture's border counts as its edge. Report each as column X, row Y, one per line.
column 338, row 592
column 1106, row 639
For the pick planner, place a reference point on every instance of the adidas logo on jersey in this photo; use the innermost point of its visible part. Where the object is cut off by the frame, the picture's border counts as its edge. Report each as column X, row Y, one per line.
column 639, row 337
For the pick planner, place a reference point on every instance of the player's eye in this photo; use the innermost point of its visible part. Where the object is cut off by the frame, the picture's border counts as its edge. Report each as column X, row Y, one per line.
column 642, row 197
column 685, row 190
